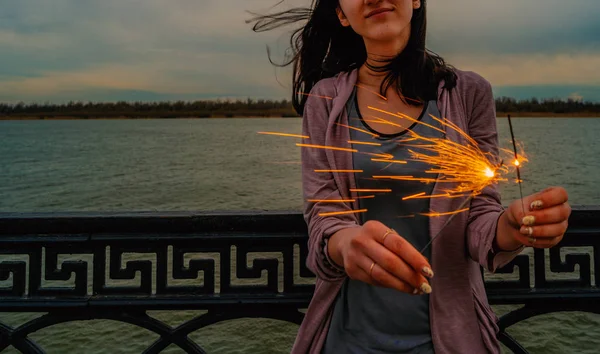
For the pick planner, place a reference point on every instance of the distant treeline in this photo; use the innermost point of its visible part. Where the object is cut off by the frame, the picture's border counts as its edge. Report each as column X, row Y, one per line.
column 172, row 109
column 508, row 104
column 244, row 108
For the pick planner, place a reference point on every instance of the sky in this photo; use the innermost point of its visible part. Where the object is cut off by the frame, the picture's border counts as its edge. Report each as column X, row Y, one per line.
column 154, row 50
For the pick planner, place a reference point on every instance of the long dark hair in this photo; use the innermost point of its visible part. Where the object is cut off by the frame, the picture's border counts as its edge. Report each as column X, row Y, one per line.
column 323, row 48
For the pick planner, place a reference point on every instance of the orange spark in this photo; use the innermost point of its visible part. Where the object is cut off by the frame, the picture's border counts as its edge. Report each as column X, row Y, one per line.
column 403, row 116
column 510, row 155
column 451, row 125
column 436, row 214
column 406, row 140
column 331, row 200
column 409, row 178
column 465, row 166
column 343, row 212
column 383, row 121
column 383, row 156
column 385, row 98
column 358, row 129
column 410, row 99
column 363, row 143
column 424, row 196
column 414, row 196
column 340, row 171
column 285, row 134
column 390, row 161
column 326, row 147
column 373, row 92
column 369, row 190
column 310, row 94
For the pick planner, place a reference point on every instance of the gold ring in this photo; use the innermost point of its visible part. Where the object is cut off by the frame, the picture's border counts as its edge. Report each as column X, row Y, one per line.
column 389, row 231
column 371, row 269
column 531, row 239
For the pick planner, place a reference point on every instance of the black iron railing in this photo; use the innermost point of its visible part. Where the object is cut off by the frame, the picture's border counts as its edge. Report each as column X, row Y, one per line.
column 109, row 281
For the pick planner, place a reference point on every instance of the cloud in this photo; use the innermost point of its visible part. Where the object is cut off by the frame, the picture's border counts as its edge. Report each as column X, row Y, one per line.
column 155, row 46
column 67, row 49
column 155, row 75
column 575, row 96
column 538, row 69
column 514, row 26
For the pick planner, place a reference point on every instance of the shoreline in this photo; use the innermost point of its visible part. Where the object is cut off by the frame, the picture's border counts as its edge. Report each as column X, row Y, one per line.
column 229, row 116
column 548, row 115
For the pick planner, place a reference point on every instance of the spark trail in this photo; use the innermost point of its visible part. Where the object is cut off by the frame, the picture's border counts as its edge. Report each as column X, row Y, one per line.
column 461, row 168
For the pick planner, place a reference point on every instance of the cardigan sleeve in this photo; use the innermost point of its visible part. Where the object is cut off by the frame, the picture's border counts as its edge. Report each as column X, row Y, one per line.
column 486, row 208
column 320, row 186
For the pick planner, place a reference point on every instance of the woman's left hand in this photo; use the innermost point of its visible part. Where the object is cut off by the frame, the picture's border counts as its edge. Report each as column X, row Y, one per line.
column 545, row 220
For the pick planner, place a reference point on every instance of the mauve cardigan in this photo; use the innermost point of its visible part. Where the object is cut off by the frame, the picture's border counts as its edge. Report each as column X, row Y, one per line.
column 461, row 318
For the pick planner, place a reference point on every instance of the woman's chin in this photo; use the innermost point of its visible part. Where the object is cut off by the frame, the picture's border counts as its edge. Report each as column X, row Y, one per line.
column 386, row 32
column 384, row 36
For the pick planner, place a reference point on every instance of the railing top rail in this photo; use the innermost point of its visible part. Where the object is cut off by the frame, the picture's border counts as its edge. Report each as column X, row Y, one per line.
column 583, row 216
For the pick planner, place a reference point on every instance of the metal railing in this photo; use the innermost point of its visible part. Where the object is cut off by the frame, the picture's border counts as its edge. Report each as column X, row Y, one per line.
column 110, row 281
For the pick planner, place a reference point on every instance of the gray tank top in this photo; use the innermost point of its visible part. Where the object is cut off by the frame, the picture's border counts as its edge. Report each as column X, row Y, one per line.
column 366, row 318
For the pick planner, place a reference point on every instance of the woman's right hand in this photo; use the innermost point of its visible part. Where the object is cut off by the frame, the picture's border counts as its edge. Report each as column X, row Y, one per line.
column 377, row 255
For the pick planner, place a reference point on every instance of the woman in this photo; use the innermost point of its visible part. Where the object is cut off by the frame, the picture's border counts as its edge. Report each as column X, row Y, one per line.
column 375, row 292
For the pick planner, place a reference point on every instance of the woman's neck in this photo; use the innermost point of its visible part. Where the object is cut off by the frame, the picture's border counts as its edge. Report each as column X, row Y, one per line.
column 370, row 78
column 378, row 54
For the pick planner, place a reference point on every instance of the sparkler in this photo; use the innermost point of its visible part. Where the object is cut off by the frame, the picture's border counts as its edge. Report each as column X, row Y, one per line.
column 462, row 168
column 460, row 209
column 514, row 144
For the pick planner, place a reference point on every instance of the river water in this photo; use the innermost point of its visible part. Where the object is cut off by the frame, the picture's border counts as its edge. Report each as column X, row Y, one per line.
column 223, row 164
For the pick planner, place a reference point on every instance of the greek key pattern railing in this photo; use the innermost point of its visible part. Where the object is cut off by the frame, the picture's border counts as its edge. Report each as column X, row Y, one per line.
column 120, row 266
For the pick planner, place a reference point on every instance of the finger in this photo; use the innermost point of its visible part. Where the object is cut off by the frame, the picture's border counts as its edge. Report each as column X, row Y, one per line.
column 397, row 267
column 401, row 247
column 372, row 273
column 547, row 198
column 398, row 245
column 538, row 242
column 544, row 231
column 553, row 215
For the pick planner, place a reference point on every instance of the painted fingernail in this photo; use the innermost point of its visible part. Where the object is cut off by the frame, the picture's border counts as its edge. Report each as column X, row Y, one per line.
column 526, row 230
column 427, row 272
column 528, row 220
column 536, row 204
column 425, row 288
